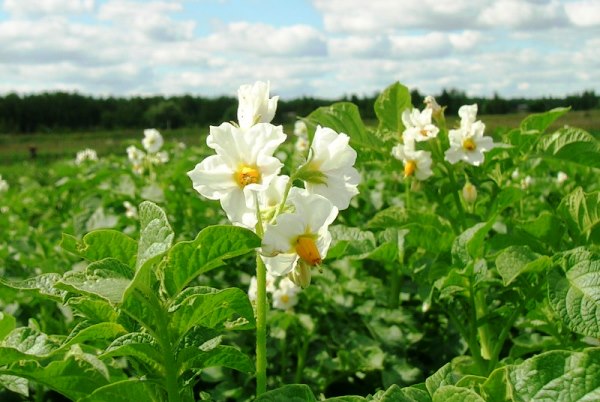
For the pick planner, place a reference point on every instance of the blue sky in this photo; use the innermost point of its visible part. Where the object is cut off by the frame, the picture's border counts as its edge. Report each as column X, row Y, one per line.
column 322, row 48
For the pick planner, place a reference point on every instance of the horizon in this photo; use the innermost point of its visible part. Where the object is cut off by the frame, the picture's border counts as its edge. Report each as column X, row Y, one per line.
column 516, row 49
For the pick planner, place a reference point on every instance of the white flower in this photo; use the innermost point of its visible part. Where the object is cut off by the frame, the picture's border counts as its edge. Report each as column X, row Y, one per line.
column 418, row 125
column 286, row 296
column 300, row 236
column 300, row 129
column 130, row 210
column 253, row 288
column 255, row 105
column 526, row 182
column 416, row 163
column 159, row 158
column 561, row 177
column 135, row 155
column 152, row 141
column 244, row 164
column 467, row 143
column 333, row 158
column 86, row 155
column 515, row 174
column 3, row 185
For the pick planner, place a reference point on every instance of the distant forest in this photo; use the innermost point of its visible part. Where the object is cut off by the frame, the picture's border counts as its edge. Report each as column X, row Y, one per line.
column 63, row 111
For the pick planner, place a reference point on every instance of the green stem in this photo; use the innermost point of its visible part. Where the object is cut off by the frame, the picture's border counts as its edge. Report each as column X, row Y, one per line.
column 261, row 326
column 171, row 367
column 474, row 346
column 301, row 361
column 483, row 330
column 407, row 192
column 459, row 206
column 39, row 393
column 394, row 301
column 503, row 335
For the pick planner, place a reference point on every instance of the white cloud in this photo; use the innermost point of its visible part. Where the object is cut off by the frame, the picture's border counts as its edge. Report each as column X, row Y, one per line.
column 584, row 13
column 263, row 39
column 36, row 8
column 523, row 14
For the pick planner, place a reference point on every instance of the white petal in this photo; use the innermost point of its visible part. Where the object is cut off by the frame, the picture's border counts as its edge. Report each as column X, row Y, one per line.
column 212, row 178
column 280, row 265
column 235, row 206
column 339, row 188
column 280, row 237
column 454, row 155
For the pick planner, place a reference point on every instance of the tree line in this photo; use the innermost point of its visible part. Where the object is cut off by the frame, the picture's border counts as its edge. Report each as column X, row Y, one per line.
column 64, row 111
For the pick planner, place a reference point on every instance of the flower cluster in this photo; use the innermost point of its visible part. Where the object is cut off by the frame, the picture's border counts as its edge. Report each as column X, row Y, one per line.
column 152, row 143
column 467, row 142
column 244, row 174
column 86, row 155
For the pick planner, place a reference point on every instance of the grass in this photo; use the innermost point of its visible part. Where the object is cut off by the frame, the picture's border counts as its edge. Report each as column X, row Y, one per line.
column 15, row 148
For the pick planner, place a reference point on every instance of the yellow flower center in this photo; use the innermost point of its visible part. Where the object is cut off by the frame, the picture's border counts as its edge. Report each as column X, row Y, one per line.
column 307, row 250
column 409, row 168
column 423, row 132
column 285, row 298
column 469, row 144
column 246, row 175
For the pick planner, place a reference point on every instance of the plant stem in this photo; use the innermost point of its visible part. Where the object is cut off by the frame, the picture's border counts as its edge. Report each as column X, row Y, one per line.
column 407, row 192
column 171, row 368
column 394, row 286
column 455, row 190
column 261, row 326
column 301, row 361
column 483, row 330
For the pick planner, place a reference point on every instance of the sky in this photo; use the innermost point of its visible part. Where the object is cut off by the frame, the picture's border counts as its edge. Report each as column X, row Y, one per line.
column 319, row 48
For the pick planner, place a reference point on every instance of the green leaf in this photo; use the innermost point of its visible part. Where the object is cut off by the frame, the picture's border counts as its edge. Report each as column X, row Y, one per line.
column 7, row 324
column 94, row 310
column 344, row 117
column 581, row 211
column 127, row 391
column 539, row 122
column 389, row 106
column 469, row 244
column 346, row 398
column 103, row 330
column 444, row 376
column 212, row 308
column 392, row 248
column 516, row 260
column 557, row 376
column 136, row 345
column 77, row 376
column 508, row 197
column 451, row 393
column 545, row 227
column 223, row 356
column 156, row 234
column 197, row 338
column 106, row 279
column 571, row 145
column 288, row 393
column 575, row 296
column 409, row 394
column 42, row 285
column 101, row 244
column 15, row 384
column 350, row 241
column 214, row 244
column 28, row 342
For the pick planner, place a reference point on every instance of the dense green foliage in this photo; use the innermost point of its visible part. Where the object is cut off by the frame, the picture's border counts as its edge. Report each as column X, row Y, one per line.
column 424, row 295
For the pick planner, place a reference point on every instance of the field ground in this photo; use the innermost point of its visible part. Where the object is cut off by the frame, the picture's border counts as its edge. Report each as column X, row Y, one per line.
column 51, row 146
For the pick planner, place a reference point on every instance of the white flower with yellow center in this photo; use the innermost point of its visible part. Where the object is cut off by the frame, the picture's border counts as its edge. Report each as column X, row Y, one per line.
column 416, row 163
column 152, row 141
column 86, row 155
column 418, row 125
column 286, row 295
column 468, row 143
column 301, row 236
column 243, row 165
column 255, row 106
column 332, row 162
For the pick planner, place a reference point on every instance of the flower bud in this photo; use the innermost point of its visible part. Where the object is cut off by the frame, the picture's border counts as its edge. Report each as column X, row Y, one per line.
column 431, row 103
column 301, row 275
column 469, row 193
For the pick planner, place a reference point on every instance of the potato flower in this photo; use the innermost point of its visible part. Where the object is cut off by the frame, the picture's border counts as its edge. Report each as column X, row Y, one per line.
column 416, row 163
column 255, row 106
column 301, row 236
column 467, row 143
column 243, row 166
column 418, row 125
column 86, row 155
column 152, row 141
column 331, row 169
column 286, row 295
